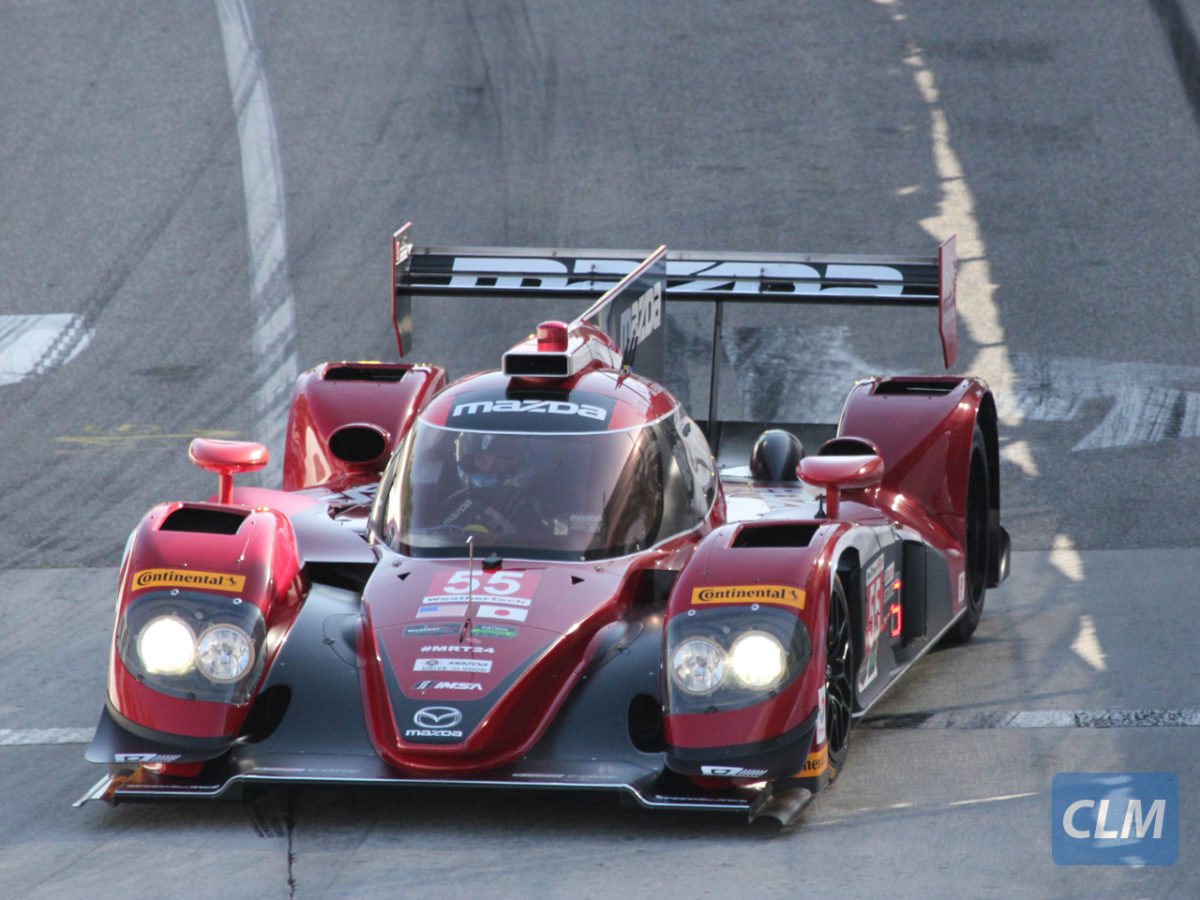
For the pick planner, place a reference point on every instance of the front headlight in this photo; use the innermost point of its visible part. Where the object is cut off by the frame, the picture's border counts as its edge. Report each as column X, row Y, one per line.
column 731, row 657
column 166, row 646
column 698, row 666
column 758, row 660
column 224, row 653
column 193, row 645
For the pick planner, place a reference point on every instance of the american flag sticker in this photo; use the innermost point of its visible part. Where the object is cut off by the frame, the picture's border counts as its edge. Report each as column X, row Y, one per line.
column 441, row 610
column 488, row 611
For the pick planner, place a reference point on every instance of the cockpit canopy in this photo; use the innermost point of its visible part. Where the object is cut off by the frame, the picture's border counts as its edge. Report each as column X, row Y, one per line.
column 578, row 495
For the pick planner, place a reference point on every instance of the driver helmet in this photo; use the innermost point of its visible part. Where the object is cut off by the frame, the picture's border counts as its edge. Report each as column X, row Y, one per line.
column 488, row 460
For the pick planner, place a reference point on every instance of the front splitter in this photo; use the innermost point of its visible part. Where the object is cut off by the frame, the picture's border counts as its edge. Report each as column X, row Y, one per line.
column 650, row 788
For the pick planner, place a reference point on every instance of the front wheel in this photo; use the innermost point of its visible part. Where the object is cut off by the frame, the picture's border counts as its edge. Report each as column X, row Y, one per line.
column 839, row 678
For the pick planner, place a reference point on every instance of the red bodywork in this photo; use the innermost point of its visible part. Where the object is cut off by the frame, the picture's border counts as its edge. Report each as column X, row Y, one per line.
column 466, row 662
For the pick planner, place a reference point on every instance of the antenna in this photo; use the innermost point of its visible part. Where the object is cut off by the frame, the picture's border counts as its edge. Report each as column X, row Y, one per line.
column 466, row 629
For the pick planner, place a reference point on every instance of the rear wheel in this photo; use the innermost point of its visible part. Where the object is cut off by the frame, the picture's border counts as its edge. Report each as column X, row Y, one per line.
column 976, row 550
column 839, row 677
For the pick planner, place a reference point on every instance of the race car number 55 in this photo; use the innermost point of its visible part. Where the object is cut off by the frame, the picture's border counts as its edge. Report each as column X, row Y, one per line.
column 498, row 584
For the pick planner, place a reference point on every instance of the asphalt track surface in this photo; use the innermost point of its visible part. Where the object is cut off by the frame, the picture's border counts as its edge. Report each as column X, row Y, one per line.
column 197, row 199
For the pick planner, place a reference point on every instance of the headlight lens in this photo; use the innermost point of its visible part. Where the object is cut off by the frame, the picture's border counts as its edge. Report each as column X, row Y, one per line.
column 224, row 653
column 166, row 646
column 193, row 645
column 698, row 666
column 732, row 657
column 758, row 660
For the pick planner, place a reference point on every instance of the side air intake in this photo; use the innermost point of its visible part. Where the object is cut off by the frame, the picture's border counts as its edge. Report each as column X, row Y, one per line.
column 788, row 535
column 364, row 373
column 917, row 386
column 200, row 520
column 357, row 444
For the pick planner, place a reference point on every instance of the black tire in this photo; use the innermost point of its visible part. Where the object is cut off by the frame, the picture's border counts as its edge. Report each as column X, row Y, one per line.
column 839, row 678
column 979, row 481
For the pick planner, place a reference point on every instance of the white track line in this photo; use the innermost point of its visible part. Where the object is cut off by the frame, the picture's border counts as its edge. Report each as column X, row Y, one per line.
column 26, row 340
column 30, row 737
column 273, row 342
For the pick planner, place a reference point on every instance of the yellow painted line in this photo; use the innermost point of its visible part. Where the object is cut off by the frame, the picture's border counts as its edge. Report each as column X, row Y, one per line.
column 107, row 440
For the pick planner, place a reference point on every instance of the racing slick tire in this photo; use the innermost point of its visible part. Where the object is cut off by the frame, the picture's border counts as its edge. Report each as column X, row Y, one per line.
column 976, row 549
column 839, row 678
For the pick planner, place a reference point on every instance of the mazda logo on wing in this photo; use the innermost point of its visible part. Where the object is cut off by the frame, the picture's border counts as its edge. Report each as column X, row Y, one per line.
column 437, row 717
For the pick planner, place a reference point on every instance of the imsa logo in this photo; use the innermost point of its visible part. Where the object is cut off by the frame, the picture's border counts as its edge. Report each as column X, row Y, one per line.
column 1115, row 819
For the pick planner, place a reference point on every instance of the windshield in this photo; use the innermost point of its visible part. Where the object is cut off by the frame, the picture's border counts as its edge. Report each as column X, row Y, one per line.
column 540, row 496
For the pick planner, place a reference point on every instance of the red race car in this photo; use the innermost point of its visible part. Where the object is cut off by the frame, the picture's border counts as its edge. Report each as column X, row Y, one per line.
column 539, row 576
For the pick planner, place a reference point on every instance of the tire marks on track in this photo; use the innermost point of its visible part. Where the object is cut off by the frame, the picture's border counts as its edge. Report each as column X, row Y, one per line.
column 1181, row 36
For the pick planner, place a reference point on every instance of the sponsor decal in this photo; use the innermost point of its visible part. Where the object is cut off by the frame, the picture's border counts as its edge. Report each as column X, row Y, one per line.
column 481, row 666
column 817, row 762
column 869, row 670
column 146, row 757
column 437, row 717
column 641, row 319
column 510, row 613
column 546, row 407
column 436, row 722
column 1114, row 818
column 456, row 648
column 187, row 578
column 490, row 598
column 431, row 685
column 557, row 411
column 494, row 631
column 778, row 594
column 732, row 772
column 502, row 586
column 431, row 630
column 716, row 276
column 442, row 611
column 821, row 714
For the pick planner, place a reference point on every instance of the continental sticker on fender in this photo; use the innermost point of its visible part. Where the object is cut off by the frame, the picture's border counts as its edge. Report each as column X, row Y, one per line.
column 779, row 594
column 187, row 578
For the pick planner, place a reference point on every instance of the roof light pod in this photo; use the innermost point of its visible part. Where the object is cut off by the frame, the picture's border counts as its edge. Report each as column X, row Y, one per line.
column 552, row 337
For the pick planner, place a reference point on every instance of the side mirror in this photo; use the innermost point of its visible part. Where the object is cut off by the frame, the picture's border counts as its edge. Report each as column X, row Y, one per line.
column 225, row 458
column 838, row 473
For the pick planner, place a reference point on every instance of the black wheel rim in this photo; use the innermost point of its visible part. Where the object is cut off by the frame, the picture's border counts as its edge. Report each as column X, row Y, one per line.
column 839, row 687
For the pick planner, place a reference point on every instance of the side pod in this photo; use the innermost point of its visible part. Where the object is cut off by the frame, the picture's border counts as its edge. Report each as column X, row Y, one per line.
column 347, row 418
column 926, row 430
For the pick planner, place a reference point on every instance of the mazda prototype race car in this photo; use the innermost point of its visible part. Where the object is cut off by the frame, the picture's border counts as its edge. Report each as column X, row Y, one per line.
column 539, row 577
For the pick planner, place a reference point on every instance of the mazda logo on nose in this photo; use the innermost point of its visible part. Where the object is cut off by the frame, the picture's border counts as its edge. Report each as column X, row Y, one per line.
column 437, row 717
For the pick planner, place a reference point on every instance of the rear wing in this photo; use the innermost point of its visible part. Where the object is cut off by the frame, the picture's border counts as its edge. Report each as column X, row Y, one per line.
column 628, row 290
column 583, row 276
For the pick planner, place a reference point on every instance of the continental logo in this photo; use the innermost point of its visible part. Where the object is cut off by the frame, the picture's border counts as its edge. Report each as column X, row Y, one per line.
column 780, row 594
column 817, row 762
column 187, row 578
